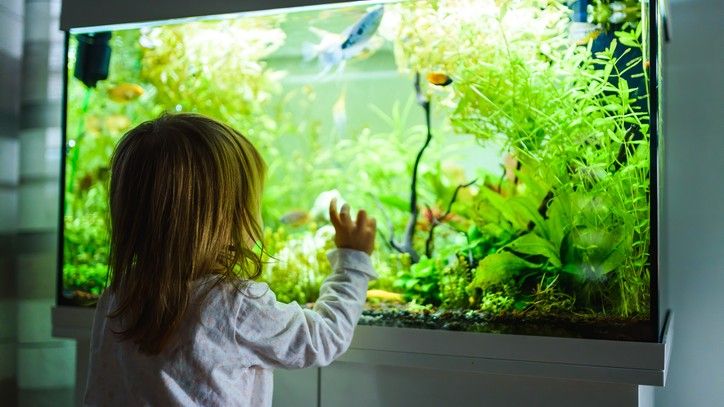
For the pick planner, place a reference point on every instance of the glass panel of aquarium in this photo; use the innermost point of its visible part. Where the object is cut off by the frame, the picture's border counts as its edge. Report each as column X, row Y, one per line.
column 503, row 146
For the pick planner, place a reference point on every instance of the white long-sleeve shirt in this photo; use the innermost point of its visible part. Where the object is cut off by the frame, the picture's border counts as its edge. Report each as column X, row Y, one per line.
column 226, row 348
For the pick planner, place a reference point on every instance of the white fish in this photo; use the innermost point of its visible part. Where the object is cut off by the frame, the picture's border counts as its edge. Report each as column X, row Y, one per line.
column 320, row 208
column 335, row 49
column 617, row 17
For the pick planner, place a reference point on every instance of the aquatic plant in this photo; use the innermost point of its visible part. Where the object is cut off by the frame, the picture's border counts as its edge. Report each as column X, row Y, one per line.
column 297, row 264
column 214, row 68
column 454, row 281
column 571, row 122
column 421, row 282
column 86, row 245
column 150, row 73
column 612, row 13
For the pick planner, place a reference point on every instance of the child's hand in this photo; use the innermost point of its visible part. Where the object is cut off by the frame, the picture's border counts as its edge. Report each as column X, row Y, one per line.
column 359, row 235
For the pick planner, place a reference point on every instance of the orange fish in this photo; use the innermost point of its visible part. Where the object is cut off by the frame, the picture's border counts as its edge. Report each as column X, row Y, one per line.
column 384, row 295
column 439, row 79
column 589, row 37
column 295, row 218
column 117, row 122
column 125, row 92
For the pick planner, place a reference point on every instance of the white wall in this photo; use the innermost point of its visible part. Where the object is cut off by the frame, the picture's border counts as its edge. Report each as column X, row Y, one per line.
column 693, row 221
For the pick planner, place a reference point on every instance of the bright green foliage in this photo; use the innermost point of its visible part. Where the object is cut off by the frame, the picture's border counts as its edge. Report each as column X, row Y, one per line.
column 453, row 284
column 498, row 268
column 193, row 66
column 496, row 302
column 421, row 282
column 298, row 263
column 86, row 244
column 580, row 207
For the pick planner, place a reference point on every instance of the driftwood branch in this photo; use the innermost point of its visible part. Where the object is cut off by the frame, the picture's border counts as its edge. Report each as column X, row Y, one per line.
column 406, row 246
column 437, row 221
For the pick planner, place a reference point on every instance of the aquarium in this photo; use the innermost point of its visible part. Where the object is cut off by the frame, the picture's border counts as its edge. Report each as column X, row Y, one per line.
column 507, row 148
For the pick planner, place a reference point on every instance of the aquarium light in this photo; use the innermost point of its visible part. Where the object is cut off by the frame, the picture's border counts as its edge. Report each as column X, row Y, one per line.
column 230, row 16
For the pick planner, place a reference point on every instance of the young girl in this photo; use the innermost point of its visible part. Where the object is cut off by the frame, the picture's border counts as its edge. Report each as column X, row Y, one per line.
column 183, row 322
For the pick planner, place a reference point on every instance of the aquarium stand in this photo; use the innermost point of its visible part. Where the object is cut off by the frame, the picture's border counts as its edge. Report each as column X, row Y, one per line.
column 398, row 366
column 402, row 366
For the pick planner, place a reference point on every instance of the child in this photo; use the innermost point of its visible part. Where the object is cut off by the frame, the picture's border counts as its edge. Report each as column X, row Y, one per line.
column 183, row 322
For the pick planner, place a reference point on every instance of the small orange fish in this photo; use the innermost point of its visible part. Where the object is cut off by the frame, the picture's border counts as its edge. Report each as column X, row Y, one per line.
column 125, row 92
column 93, row 124
column 647, row 64
column 384, row 295
column 589, row 37
column 439, row 79
column 117, row 123
column 295, row 218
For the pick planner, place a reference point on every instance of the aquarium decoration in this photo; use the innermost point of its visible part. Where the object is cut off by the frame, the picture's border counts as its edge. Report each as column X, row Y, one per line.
column 503, row 145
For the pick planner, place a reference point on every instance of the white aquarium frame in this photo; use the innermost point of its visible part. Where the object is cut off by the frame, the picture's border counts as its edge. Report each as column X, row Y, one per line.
column 389, row 366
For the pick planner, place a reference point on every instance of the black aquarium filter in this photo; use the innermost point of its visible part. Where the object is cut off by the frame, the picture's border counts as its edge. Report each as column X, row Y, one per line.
column 93, row 57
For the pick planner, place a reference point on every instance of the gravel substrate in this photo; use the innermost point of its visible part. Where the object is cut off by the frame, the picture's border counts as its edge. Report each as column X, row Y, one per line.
column 573, row 326
column 592, row 327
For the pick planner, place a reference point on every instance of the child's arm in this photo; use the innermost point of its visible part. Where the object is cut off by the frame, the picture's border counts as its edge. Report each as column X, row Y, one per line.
column 285, row 335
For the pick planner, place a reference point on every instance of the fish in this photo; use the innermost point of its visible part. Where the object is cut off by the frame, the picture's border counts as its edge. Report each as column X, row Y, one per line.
column 125, row 92
column 336, row 49
column 384, row 295
column 117, row 123
column 589, row 37
column 620, row 12
column 86, row 182
column 295, row 218
column 439, row 78
column 339, row 111
column 320, row 208
column 93, row 124
column 583, row 33
column 617, row 17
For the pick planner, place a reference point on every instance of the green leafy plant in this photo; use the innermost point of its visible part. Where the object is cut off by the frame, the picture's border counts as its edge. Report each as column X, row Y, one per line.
column 421, row 283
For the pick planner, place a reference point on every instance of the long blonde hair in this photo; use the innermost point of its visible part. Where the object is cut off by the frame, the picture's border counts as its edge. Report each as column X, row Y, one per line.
column 185, row 196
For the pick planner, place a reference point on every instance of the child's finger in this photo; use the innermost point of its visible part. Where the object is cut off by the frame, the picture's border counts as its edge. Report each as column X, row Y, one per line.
column 344, row 215
column 361, row 219
column 333, row 215
column 372, row 224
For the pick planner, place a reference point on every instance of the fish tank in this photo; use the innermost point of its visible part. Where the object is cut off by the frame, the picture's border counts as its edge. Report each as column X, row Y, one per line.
column 509, row 150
